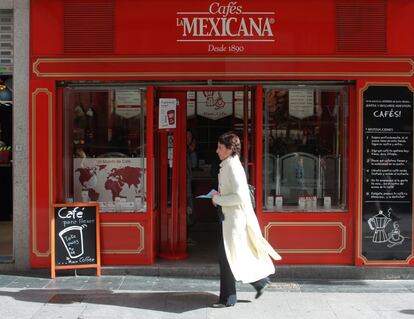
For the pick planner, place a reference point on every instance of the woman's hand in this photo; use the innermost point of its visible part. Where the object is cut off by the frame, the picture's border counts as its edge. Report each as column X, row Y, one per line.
column 215, row 194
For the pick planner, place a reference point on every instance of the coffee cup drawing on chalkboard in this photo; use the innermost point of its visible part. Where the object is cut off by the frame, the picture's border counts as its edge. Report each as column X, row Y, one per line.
column 72, row 238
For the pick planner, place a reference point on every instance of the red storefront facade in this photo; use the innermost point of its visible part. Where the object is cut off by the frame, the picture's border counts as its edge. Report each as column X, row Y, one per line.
column 297, row 76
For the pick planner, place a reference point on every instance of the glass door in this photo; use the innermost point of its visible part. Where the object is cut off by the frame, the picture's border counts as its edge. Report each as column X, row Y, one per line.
column 187, row 163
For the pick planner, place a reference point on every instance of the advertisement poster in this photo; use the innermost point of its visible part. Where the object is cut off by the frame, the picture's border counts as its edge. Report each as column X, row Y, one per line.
column 128, row 103
column 387, row 173
column 167, row 114
column 109, row 181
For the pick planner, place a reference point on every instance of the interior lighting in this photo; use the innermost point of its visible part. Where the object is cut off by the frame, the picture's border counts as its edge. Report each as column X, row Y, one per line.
column 2, row 85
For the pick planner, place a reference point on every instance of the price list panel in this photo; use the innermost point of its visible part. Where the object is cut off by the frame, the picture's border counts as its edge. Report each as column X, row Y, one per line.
column 387, row 172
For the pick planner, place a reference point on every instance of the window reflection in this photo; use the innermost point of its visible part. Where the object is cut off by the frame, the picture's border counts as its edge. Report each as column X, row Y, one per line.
column 104, row 148
column 305, row 142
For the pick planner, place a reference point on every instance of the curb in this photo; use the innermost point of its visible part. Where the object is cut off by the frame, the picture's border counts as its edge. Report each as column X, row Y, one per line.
column 211, row 270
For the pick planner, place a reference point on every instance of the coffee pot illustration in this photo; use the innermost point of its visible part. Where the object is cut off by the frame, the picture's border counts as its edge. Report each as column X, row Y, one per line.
column 378, row 223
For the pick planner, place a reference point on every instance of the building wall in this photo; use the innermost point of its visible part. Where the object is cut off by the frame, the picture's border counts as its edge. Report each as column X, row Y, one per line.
column 306, row 48
column 20, row 134
column 20, row 131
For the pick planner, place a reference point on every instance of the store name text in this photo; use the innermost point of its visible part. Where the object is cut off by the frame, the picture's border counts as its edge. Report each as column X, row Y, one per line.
column 225, row 23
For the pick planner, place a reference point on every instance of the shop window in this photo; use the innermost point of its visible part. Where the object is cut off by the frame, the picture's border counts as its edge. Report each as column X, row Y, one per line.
column 305, row 149
column 104, row 158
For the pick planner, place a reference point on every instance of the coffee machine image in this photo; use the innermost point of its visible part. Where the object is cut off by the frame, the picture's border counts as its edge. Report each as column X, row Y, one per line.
column 378, row 223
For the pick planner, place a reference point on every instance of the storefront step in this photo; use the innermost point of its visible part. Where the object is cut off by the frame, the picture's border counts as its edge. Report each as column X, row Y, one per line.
column 285, row 272
column 210, row 270
column 167, row 269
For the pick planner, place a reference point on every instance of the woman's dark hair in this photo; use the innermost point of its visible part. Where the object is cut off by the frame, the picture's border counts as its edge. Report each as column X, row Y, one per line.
column 232, row 142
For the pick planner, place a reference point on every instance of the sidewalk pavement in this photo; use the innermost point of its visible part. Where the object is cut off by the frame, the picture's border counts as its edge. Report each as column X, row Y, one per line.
column 90, row 297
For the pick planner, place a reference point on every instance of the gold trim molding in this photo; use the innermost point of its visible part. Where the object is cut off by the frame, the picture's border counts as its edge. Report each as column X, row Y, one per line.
column 367, row 262
column 369, row 84
column 141, row 238
column 159, row 60
column 34, row 113
column 407, row 261
column 339, row 250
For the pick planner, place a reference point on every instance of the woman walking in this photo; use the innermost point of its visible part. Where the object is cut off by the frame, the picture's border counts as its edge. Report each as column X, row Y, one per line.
column 244, row 254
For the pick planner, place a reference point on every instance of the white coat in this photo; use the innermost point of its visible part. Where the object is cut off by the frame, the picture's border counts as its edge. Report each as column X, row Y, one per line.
column 247, row 251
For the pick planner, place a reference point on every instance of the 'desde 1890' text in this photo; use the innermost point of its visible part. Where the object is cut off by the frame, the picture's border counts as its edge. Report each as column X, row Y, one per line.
column 232, row 48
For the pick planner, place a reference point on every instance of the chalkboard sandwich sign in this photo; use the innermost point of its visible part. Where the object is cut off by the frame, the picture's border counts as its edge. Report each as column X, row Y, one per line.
column 75, row 237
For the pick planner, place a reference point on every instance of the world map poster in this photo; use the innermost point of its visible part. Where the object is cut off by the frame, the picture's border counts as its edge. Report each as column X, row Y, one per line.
column 109, row 180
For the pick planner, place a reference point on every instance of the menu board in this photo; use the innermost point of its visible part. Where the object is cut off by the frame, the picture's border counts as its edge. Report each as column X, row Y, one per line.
column 75, row 236
column 387, row 172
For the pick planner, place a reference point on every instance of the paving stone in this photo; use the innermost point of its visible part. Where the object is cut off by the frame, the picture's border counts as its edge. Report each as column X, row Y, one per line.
column 28, row 282
column 128, row 296
column 60, row 311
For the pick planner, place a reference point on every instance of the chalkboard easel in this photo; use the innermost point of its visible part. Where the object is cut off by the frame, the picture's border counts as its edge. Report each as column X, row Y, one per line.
column 75, row 240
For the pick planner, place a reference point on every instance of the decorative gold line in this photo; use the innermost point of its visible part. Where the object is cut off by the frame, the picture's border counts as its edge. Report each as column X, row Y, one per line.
column 360, row 203
column 360, row 175
column 33, row 181
column 51, row 153
column 311, row 224
column 244, row 74
column 34, row 67
column 369, row 84
column 222, row 59
column 387, row 262
column 34, row 138
column 226, row 59
column 142, row 238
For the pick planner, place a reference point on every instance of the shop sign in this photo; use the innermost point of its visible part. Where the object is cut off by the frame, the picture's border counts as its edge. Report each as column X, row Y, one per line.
column 301, row 103
column 214, row 105
column 75, row 237
column 167, row 118
column 225, row 27
column 387, row 173
column 127, row 103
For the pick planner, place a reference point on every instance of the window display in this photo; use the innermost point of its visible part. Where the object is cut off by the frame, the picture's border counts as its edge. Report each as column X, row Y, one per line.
column 305, row 148
column 104, row 156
